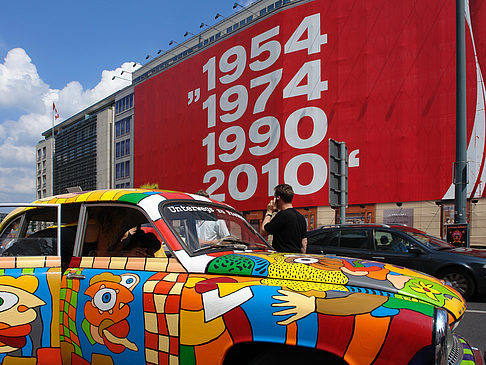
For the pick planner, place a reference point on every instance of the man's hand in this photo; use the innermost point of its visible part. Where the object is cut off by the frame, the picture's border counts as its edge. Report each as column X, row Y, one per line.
column 271, row 206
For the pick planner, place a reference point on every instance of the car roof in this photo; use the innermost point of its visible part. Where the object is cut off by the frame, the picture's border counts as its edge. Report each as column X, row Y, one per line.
column 130, row 196
column 400, row 227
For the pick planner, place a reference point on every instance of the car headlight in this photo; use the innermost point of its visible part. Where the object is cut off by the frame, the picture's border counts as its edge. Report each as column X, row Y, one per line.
column 443, row 338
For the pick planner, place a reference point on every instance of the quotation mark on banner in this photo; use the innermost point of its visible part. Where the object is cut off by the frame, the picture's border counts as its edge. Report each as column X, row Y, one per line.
column 193, row 96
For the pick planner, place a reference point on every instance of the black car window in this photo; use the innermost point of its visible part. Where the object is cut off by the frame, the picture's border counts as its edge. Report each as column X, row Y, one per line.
column 324, row 238
column 389, row 241
column 354, row 238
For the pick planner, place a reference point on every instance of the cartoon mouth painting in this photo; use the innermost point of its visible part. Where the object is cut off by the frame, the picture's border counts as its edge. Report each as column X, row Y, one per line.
column 14, row 337
column 107, row 311
column 17, row 311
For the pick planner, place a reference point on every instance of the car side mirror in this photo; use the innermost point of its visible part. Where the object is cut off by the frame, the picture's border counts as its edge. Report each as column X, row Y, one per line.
column 415, row 250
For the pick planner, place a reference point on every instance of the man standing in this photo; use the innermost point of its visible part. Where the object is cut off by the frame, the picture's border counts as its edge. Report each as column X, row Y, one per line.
column 288, row 226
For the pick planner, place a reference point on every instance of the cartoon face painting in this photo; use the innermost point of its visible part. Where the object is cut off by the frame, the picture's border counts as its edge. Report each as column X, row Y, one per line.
column 107, row 311
column 17, row 311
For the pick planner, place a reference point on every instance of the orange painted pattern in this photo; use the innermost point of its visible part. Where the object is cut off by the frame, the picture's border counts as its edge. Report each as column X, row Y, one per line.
column 369, row 335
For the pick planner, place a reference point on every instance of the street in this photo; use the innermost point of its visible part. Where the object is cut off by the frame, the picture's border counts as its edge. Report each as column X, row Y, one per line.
column 472, row 326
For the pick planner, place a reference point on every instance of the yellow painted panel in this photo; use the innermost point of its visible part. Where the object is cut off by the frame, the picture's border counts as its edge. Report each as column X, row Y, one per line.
column 118, row 263
column 156, row 264
column 31, row 261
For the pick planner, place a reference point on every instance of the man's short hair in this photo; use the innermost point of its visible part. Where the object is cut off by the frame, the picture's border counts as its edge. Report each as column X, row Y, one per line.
column 284, row 192
column 202, row 193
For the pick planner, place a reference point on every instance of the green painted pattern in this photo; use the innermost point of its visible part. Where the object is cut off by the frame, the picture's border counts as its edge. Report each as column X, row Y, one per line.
column 398, row 303
column 187, row 355
column 427, row 291
column 232, row 264
column 133, row 197
column 63, row 294
column 85, row 326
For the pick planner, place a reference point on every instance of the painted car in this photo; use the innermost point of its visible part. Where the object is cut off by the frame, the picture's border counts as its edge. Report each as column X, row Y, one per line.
column 163, row 277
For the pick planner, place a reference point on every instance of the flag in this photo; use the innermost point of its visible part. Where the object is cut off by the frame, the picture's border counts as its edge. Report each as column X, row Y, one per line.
column 54, row 110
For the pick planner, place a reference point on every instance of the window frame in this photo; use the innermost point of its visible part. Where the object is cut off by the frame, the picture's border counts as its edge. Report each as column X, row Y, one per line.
column 23, row 226
column 83, row 221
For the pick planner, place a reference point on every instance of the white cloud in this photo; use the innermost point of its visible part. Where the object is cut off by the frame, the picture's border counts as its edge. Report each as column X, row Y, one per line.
column 21, row 88
column 20, row 84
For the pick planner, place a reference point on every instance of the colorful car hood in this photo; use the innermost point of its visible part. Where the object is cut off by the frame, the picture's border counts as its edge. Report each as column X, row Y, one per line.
column 342, row 274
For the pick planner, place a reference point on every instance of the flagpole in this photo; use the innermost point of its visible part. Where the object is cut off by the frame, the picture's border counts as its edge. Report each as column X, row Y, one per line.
column 52, row 148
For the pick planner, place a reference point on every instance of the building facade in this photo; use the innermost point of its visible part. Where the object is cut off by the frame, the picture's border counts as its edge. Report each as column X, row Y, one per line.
column 253, row 101
column 123, row 138
column 43, row 169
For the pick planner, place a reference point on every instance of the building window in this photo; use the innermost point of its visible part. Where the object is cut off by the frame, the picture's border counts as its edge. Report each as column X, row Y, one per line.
column 122, row 170
column 122, row 148
column 124, row 104
column 122, row 127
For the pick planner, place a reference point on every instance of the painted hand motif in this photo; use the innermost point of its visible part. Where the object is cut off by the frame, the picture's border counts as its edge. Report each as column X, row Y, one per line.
column 302, row 306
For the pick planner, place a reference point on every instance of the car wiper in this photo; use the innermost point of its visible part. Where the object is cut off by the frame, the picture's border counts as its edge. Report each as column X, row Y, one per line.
column 236, row 241
column 226, row 242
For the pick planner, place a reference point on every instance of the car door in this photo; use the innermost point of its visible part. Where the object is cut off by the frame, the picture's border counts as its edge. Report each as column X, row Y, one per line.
column 349, row 242
column 393, row 248
column 30, row 274
column 322, row 241
column 119, row 305
column 355, row 242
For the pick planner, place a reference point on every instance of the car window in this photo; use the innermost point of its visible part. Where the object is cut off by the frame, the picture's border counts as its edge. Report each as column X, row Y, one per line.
column 31, row 239
column 389, row 241
column 36, row 237
column 430, row 241
column 203, row 227
column 119, row 231
column 354, row 238
column 10, row 233
column 324, row 238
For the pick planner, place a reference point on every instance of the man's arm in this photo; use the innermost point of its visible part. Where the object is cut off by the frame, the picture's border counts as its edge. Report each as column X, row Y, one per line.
column 304, row 245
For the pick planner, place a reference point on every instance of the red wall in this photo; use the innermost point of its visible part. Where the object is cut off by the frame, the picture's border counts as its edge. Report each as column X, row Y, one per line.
column 379, row 75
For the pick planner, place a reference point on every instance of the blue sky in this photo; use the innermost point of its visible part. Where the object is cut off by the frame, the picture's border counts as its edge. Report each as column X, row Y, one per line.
column 67, row 52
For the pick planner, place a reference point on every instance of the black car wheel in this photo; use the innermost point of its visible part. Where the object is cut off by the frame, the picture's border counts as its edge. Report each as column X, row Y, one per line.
column 460, row 280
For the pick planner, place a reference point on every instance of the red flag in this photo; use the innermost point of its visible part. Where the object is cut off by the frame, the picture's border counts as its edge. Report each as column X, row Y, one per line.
column 56, row 114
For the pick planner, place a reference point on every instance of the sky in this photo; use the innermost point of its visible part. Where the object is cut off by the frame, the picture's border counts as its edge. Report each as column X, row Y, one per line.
column 67, row 52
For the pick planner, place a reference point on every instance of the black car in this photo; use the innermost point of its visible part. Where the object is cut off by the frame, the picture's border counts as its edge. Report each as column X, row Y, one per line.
column 400, row 245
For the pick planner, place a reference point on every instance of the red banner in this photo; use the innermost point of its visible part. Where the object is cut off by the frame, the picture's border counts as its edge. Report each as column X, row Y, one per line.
column 258, row 108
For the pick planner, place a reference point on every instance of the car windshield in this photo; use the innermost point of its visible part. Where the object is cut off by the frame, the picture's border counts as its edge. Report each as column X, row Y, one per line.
column 430, row 241
column 203, row 228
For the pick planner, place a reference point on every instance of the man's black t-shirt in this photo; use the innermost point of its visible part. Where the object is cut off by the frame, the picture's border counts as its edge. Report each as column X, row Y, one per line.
column 288, row 228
